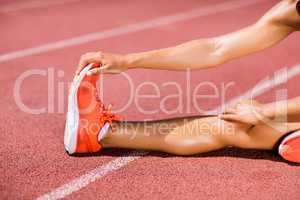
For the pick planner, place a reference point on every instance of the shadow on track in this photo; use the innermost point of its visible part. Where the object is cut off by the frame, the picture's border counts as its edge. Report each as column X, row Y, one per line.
column 228, row 152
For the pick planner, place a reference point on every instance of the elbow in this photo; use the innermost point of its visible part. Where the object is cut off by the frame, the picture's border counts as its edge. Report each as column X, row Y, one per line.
column 214, row 54
column 199, row 54
column 217, row 59
column 218, row 55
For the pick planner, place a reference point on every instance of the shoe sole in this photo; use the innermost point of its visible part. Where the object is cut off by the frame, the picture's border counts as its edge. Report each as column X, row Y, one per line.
column 291, row 136
column 72, row 121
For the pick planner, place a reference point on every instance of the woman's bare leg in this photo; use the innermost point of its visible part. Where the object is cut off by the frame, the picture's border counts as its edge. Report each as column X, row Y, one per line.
column 179, row 136
column 265, row 136
column 194, row 135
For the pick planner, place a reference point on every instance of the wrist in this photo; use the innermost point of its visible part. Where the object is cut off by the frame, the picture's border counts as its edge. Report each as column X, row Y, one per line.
column 149, row 59
column 132, row 61
column 268, row 111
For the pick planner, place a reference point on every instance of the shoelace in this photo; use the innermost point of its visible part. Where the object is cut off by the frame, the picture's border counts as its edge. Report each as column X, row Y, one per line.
column 106, row 113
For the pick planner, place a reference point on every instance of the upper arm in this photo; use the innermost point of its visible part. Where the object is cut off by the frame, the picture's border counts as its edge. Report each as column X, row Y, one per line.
column 285, row 13
column 274, row 26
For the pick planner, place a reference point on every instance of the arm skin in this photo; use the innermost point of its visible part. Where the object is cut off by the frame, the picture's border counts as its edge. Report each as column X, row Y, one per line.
column 289, row 108
column 254, row 113
column 273, row 27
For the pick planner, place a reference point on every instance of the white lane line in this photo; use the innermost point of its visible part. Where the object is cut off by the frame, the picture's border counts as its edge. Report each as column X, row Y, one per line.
column 92, row 176
column 99, row 172
column 183, row 16
column 32, row 4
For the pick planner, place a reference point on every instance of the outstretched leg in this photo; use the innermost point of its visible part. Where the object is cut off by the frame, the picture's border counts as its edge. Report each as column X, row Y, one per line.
column 89, row 123
column 179, row 136
column 193, row 135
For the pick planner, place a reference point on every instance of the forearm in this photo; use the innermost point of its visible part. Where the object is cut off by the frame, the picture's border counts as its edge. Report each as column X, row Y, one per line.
column 205, row 53
column 194, row 54
column 286, row 108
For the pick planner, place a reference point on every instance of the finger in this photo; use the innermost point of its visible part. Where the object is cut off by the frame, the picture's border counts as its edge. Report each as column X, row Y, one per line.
column 230, row 117
column 230, row 111
column 238, row 105
column 250, row 102
column 82, row 62
column 242, row 107
column 104, row 68
column 245, row 101
column 94, row 71
column 85, row 61
column 108, row 70
column 79, row 68
column 97, row 70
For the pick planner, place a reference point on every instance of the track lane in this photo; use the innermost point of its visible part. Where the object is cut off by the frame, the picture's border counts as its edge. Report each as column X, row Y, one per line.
column 51, row 126
column 101, row 171
column 230, row 173
column 36, row 27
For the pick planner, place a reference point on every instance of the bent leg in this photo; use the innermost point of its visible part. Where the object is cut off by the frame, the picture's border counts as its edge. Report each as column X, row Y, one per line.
column 179, row 136
column 265, row 136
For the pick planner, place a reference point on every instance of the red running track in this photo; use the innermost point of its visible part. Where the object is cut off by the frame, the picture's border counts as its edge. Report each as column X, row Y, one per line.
column 33, row 159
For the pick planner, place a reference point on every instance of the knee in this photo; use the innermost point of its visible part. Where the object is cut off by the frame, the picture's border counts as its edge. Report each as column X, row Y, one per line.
column 237, row 138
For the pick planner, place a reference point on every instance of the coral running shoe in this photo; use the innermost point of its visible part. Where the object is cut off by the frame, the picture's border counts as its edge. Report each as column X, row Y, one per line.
column 88, row 120
column 289, row 148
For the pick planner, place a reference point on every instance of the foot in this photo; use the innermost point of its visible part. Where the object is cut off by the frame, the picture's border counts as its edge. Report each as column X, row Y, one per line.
column 289, row 149
column 88, row 120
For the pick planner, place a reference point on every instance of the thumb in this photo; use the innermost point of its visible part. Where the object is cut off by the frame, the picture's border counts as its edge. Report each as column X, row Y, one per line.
column 94, row 71
column 104, row 69
column 230, row 117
